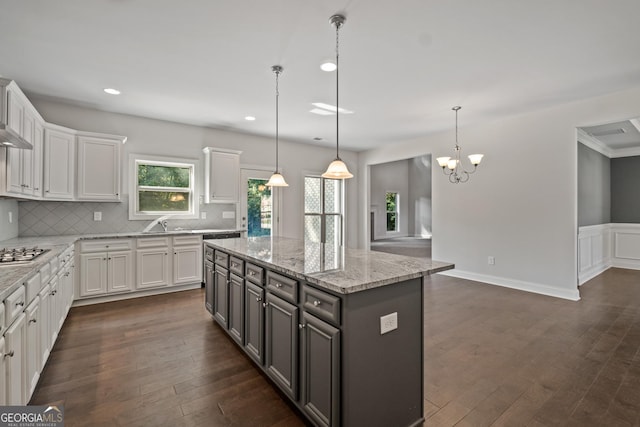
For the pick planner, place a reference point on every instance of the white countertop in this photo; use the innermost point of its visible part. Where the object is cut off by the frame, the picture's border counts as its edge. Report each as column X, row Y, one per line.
column 335, row 268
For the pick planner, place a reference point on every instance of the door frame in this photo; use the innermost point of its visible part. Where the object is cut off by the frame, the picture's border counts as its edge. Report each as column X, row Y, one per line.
column 276, row 202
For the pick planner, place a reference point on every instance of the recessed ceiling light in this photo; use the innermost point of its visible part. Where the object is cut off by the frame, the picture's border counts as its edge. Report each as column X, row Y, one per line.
column 328, row 66
column 249, row 118
column 112, row 91
column 321, row 112
column 331, row 108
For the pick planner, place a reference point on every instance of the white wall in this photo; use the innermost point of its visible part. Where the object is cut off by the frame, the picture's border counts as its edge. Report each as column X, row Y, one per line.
column 172, row 139
column 394, row 178
column 521, row 205
column 8, row 230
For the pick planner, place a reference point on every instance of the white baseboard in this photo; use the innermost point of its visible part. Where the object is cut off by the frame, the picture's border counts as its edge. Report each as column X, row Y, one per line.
column 136, row 294
column 592, row 272
column 537, row 288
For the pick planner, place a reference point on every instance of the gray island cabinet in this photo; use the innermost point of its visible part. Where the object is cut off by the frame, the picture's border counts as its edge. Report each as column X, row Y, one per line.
column 339, row 331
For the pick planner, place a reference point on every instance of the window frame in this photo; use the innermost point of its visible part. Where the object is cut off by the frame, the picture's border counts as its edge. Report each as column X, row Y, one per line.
column 193, row 190
column 396, row 212
column 323, row 214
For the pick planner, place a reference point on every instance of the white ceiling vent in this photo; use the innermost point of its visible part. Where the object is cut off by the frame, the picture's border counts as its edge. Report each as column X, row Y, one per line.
column 609, row 132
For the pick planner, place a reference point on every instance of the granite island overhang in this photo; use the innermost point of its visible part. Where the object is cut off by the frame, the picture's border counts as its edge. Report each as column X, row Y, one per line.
column 340, row 331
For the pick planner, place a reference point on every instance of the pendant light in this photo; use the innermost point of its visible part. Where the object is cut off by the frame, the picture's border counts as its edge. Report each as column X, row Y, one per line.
column 452, row 166
column 337, row 169
column 277, row 180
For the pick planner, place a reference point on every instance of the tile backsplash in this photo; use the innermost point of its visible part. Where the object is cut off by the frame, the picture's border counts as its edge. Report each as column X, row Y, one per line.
column 46, row 218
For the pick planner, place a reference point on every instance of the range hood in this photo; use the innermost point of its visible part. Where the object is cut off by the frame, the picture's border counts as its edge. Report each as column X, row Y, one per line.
column 10, row 138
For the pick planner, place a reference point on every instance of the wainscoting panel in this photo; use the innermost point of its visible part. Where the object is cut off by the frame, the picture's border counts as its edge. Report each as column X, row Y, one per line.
column 594, row 251
column 607, row 245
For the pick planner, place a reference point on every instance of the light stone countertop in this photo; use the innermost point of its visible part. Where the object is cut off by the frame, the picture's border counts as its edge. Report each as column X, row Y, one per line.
column 13, row 276
column 335, row 268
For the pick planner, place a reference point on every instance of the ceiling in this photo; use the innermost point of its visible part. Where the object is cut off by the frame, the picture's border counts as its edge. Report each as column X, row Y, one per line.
column 617, row 136
column 403, row 65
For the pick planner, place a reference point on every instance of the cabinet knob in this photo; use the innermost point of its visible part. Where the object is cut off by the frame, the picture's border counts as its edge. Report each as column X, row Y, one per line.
column 278, row 285
column 20, row 303
column 301, row 326
column 252, row 273
column 317, row 303
column 36, row 188
column 258, row 299
column 10, row 354
column 46, row 191
column 265, row 304
column 228, row 282
column 33, row 320
column 104, row 259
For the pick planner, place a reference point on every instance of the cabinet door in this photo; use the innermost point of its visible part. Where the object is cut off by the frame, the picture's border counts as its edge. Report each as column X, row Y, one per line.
column 320, row 381
column 187, row 264
column 32, row 348
column 98, row 168
column 59, row 164
column 14, row 351
column 54, row 317
column 152, row 267
column 15, row 110
column 119, row 271
column 28, row 129
column 36, row 162
column 221, row 300
column 14, row 170
column 45, row 326
column 281, row 336
column 208, row 286
column 254, row 322
column 224, row 177
column 236, row 309
column 93, row 274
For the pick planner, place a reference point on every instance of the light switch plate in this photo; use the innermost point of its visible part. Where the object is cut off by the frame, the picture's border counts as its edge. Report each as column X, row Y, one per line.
column 388, row 323
column 97, row 216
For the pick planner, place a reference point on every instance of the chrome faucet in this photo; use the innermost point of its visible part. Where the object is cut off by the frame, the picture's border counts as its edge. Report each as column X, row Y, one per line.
column 162, row 221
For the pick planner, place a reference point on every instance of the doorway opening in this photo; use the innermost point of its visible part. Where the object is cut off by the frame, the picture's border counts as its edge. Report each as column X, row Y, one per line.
column 258, row 204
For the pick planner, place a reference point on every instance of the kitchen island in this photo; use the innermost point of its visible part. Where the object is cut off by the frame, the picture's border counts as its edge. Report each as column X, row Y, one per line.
column 338, row 330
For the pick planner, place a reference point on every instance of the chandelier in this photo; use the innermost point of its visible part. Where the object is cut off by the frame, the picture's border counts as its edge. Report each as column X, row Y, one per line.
column 452, row 167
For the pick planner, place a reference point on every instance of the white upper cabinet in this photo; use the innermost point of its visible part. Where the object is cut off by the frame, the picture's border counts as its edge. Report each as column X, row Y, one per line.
column 222, row 175
column 99, row 167
column 59, row 162
column 23, row 170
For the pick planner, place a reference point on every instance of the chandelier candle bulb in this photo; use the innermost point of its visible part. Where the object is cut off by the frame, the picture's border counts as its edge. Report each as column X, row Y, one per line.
column 475, row 159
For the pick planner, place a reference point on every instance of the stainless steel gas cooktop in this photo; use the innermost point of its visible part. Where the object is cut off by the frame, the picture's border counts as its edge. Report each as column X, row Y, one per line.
column 20, row 255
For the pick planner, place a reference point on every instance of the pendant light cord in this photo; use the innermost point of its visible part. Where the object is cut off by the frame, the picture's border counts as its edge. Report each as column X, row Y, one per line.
column 277, row 97
column 338, row 24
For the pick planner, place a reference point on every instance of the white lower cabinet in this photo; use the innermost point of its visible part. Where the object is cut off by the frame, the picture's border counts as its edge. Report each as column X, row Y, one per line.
column 153, row 262
column 106, row 266
column 3, row 372
column 45, row 325
column 14, row 354
column 187, row 259
column 32, row 344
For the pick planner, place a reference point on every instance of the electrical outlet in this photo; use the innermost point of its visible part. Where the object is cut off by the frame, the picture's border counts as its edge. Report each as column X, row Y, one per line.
column 203, row 215
column 388, row 323
column 491, row 260
column 97, row 216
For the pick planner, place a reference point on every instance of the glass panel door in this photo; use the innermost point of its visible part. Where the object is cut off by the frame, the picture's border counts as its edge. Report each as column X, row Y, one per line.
column 257, row 210
column 323, row 210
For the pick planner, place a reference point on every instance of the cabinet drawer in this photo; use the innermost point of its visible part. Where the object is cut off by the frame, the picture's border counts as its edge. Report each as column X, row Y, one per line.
column 189, row 240
column 236, row 265
column 32, row 286
column 221, row 258
column 14, row 305
column 282, row 286
column 321, row 304
column 152, row 242
column 254, row 274
column 208, row 253
column 105, row 245
column 45, row 273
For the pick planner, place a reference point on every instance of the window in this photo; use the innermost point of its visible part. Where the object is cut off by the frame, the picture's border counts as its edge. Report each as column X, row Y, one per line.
column 162, row 186
column 323, row 210
column 392, row 211
column 259, row 208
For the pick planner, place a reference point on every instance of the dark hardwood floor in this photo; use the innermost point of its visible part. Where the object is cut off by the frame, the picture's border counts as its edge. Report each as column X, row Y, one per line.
column 493, row 357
